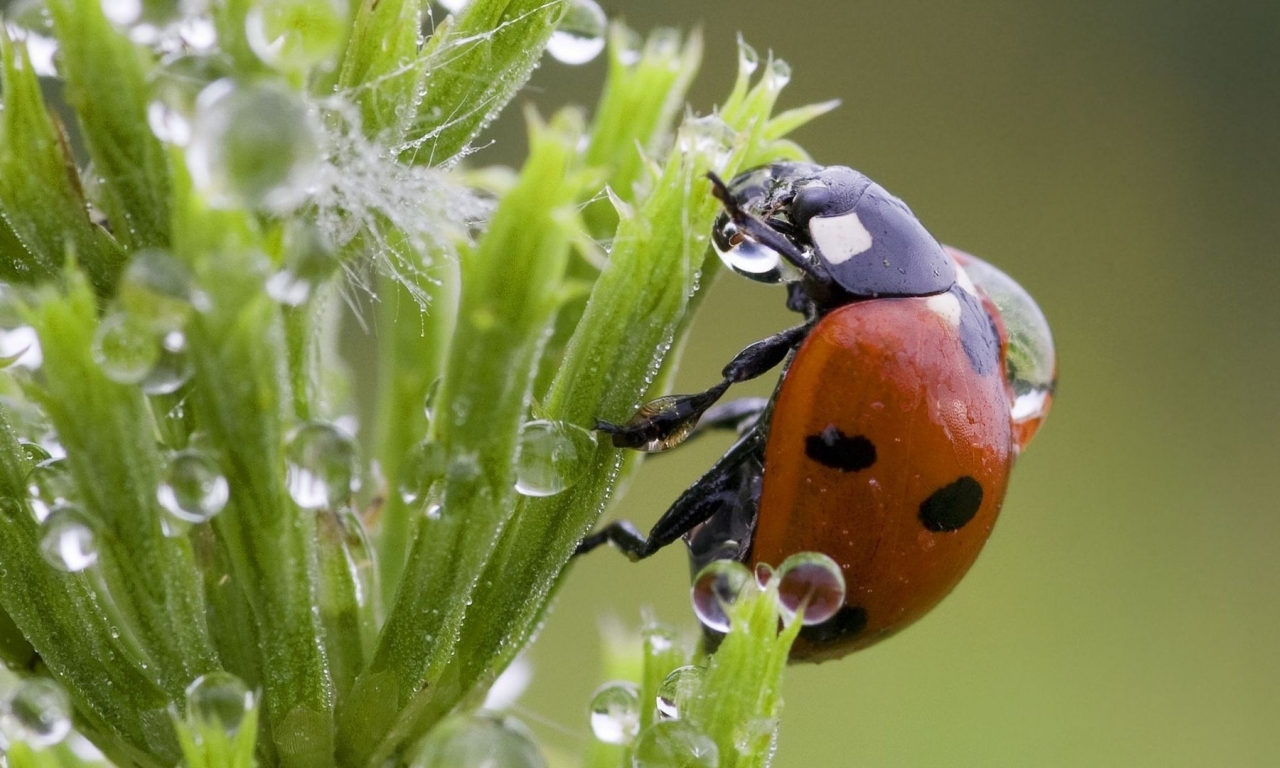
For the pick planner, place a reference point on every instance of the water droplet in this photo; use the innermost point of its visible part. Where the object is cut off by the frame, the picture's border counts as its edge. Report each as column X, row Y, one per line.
column 678, row 690
column 35, row 452
column 747, row 257
column 1030, row 365
column 748, row 58
column 615, row 712
column 193, row 488
column 708, row 136
column 296, row 35
column 309, row 260
column 173, row 368
column 69, row 539
column 717, row 587
column 554, row 455
column 453, row 6
column 813, row 582
column 175, row 85
column 49, row 484
column 255, row 145
column 125, row 348
column 38, row 713
column 478, row 741
column 321, row 466
column 423, row 466
column 674, row 744
column 429, row 401
column 579, row 37
column 778, row 74
column 218, row 700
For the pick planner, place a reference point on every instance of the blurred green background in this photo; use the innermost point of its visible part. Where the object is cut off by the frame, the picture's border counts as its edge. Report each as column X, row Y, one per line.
column 1122, row 160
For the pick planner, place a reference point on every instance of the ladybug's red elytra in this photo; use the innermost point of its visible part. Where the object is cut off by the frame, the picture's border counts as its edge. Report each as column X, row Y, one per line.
column 918, row 375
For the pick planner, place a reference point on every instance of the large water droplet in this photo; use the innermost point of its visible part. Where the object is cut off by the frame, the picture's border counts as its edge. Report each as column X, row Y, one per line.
column 674, row 744
column 125, row 348
column 678, row 690
column 615, row 712
column 453, row 6
column 254, row 145
column 38, row 713
column 173, row 368
column 478, row 741
column 424, row 465
column 579, row 37
column 175, row 84
column 812, row 582
column 309, row 260
column 1030, row 365
column 554, row 455
column 193, row 488
column 49, row 484
column 69, row 539
column 219, row 700
column 296, row 35
column 748, row 257
column 708, row 136
column 157, row 289
column 715, row 588
column 321, row 466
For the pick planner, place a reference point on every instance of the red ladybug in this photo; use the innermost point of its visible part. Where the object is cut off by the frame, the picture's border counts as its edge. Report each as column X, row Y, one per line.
column 918, row 375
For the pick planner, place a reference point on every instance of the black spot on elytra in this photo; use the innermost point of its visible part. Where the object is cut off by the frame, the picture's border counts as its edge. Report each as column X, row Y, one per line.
column 952, row 506
column 848, row 621
column 978, row 333
column 835, row 449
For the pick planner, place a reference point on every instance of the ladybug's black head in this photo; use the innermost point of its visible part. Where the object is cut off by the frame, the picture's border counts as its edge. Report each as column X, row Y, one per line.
column 840, row 232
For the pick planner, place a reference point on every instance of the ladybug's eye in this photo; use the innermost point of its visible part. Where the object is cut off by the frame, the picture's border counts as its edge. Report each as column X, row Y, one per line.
column 1030, row 364
column 748, row 257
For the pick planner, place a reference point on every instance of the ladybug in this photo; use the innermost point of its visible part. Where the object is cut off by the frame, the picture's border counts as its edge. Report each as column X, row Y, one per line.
column 917, row 376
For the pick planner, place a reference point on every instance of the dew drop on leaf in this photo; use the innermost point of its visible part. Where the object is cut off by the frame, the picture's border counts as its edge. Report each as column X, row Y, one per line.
column 615, row 712
column 554, row 455
column 37, row 713
column 69, row 539
column 579, row 37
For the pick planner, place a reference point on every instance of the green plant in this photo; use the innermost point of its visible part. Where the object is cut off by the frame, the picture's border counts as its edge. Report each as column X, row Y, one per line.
column 189, row 544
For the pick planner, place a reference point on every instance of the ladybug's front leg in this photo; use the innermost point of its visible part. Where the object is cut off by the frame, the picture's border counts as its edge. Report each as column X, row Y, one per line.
column 666, row 422
column 722, row 487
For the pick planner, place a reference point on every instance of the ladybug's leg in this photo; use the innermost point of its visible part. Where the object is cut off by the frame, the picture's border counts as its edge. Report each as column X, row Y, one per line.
column 666, row 422
column 721, row 486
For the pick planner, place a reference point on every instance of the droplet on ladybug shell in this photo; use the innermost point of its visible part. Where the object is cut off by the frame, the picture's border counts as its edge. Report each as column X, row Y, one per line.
column 1030, row 365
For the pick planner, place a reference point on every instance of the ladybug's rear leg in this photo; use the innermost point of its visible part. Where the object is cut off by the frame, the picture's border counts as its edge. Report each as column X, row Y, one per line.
column 666, row 422
column 721, row 487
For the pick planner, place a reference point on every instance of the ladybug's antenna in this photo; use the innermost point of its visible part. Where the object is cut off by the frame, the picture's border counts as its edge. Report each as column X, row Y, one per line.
column 763, row 233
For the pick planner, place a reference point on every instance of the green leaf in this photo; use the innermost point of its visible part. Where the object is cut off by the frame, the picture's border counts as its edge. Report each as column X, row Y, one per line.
column 41, row 205
column 475, row 66
column 106, row 83
column 380, row 69
column 507, row 301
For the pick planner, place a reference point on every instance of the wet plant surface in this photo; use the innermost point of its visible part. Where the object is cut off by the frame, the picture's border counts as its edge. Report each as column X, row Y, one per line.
column 206, row 557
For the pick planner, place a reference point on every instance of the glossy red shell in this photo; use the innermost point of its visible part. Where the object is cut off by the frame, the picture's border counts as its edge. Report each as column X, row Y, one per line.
column 895, row 372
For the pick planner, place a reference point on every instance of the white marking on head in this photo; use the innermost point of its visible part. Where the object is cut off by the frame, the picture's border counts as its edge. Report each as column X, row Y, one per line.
column 839, row 238
column 946, row 306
